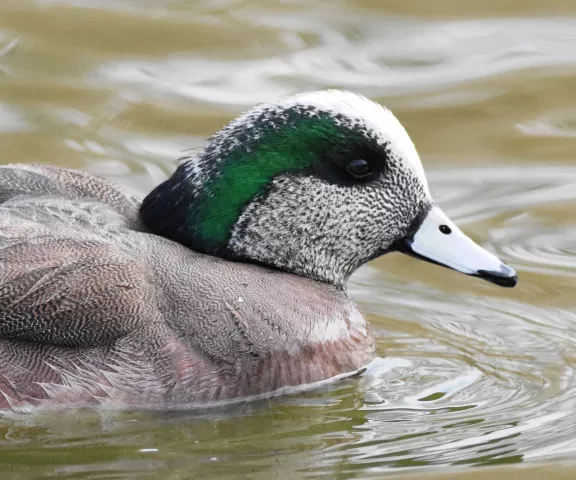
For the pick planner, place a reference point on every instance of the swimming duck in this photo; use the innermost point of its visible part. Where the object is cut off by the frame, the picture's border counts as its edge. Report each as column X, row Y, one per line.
column 228, row 279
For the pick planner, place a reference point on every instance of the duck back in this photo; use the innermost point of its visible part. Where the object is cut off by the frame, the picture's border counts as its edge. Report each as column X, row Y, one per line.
column 96, row 310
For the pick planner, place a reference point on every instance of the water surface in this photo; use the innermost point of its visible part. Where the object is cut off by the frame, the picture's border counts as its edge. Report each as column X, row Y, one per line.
column 472, row 375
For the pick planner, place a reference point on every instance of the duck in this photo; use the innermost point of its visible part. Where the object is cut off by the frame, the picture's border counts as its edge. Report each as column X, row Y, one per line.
column 228, row 280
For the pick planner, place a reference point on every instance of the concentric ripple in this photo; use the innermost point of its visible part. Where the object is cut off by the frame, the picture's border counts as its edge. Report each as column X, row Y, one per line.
column 529, row 238
column 465, row 380
column 547, row 250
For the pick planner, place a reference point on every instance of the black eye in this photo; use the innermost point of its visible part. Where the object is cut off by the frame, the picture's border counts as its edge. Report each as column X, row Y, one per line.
column 359, row 168
column 445, row 229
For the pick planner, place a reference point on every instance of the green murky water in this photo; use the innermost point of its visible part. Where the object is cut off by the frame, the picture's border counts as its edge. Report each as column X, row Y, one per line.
column 472, row 375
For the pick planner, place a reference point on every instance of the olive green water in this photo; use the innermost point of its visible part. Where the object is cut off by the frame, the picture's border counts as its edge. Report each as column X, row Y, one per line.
column 473, row 375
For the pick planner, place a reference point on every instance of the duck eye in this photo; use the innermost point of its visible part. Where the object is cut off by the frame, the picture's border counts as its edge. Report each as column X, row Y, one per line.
column 445, row 229
column 358, row 168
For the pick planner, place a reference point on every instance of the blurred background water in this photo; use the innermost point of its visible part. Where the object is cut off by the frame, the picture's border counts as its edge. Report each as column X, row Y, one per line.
column 471, row 375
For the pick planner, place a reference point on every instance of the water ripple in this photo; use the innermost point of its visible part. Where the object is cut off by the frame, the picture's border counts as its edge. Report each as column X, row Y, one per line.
column 490, row 376
column 387, row 56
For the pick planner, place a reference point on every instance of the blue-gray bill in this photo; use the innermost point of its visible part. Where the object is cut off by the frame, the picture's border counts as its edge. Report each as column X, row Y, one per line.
column 438, row 240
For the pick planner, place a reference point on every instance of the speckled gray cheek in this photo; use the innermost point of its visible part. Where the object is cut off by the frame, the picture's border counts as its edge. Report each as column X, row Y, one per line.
column 326, row 231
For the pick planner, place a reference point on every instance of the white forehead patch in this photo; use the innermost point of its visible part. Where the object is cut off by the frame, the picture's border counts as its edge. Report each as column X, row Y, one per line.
column 362, row 111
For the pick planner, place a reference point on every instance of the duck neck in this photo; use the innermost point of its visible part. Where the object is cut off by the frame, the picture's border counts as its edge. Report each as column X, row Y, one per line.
column 258, row 236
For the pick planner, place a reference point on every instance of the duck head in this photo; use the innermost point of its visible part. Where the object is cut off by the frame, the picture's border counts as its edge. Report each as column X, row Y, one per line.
column 316, row 184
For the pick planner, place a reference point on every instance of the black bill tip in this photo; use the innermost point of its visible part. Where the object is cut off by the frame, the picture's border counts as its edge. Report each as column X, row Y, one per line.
column 505, row 277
